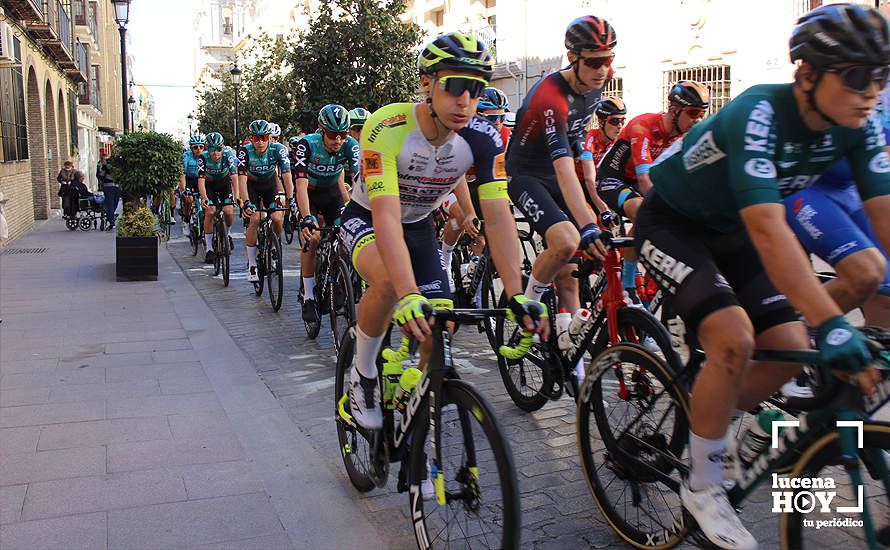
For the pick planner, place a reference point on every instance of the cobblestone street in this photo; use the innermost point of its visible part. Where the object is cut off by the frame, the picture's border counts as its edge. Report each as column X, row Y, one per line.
column 558, row 510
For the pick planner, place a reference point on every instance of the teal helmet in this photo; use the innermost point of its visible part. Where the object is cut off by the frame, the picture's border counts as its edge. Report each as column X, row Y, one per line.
column 333, row 118
column 493, row 98
column 260, row 128
column 456, row 51
column 358, row 116
column 213, row 140
column 196, row 139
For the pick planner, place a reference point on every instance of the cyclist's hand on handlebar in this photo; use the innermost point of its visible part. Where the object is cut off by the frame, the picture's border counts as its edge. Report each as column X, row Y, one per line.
column 471, row 225
column 248, row 209
column 410, row 315
column 591, row 245
column 533, row 315
column 845, row 349
column 307, row 226
column 609, row 219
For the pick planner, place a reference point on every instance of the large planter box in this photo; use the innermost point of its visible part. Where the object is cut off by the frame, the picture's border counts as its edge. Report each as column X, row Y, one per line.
column 137, row 258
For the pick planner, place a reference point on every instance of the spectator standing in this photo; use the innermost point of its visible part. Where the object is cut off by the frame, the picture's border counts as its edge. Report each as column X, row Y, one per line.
column 111, row 189
column 65, row 177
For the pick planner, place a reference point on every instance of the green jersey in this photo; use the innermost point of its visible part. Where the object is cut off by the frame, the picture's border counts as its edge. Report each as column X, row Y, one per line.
column 310, row 160
column 758, row 150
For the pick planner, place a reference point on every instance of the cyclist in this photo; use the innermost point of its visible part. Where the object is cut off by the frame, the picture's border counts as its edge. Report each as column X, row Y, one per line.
column 830, row 221
column 412, row 156
column 216, row 166
column 547, row 136
column 276, row 132
column 611, row 114
column 320, row 164
column 623, row 174
column 188, row 182
column 357, row 119
column 712, row 232
column 258, row 164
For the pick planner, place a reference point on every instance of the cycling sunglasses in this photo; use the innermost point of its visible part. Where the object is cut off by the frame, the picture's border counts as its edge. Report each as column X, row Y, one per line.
column 858, row 78
column 616, row 121
column 357, row 127
column 256, row 139
column 216, row 150
column 197, row 146
column 495, row 118
column 457, row 85
column 335, row 135
column 597, row 62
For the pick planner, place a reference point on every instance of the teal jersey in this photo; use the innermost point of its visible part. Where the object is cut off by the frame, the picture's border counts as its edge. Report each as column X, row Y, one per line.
column 190, row 165
column 263, row 168
column 216, row 171
column 310, row 160
column 757, row 150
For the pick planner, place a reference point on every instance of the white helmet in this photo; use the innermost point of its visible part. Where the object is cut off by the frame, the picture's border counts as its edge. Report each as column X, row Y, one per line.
column 276, row 130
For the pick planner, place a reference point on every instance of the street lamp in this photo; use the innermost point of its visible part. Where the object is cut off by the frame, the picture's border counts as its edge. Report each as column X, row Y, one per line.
column 122, row 17
column 132, row 103
column 236, row 81
column 191, row 117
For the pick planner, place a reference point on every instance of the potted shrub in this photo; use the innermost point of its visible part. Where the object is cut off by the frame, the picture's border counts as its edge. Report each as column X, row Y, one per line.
column 143, row 164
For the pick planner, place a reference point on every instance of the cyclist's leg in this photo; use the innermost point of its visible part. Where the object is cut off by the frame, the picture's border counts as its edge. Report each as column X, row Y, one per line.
column 256, row 196
column 532, row 197
column 625, row 200
column 877, row 308
column 833, row 225
column 307, row 258
column 213, row 200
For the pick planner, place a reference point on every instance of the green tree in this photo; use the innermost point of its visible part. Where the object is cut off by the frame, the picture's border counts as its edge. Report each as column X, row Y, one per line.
column 355, row 53
column 266, row 91
column 146, row 163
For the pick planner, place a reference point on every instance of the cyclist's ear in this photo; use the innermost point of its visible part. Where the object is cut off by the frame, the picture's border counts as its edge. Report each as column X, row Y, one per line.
column 425, row 82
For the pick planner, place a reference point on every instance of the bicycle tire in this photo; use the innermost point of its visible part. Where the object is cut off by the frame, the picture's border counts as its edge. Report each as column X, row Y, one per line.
column 194, row 237
column 342, row 307
column 225, row 254
column 353, row 446
column 633, row 464
column 275, row 272
column 645, row 324
column 491, row 289
column 217, row 258
column 289, row 235
column 472, row 416
column 825, row 453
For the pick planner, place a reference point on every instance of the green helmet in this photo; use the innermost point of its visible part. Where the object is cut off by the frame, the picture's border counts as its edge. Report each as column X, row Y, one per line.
column 333, row 118
column 213, row 140
column 260, row 128
column 196, row 139
column 358, row 116
column 458, row 52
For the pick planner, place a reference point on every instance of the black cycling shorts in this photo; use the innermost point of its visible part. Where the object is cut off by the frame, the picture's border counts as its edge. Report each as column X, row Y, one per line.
column 191, row 184
column 615, row 192
column 540, row 201
column 219, row 192
column 263, row 195
column 326, row 202
column 357, row 230
column 703, row 270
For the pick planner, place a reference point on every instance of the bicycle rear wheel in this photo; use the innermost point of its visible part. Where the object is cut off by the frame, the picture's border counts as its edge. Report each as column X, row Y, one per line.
column 194, row 237
column 224, row 252
column 354, row 448
column 260, row 264
column 477, row 480
column 631, row 444
column 289, row 229
column 275, row 271
column 822, row 460
column 342, row 308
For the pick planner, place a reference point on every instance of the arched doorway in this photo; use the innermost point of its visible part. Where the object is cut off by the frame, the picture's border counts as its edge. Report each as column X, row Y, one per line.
column 36, row 149
column 62, row 132
column 52, row 144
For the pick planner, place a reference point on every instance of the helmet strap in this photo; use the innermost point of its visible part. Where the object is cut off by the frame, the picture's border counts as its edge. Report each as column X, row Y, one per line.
column 436, row 121
column 811, row 99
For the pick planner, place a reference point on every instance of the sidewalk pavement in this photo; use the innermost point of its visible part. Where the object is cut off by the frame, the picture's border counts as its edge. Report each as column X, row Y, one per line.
column 130, row 419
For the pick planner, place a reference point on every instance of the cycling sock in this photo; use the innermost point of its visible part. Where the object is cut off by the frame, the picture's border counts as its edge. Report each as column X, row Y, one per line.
column 308, row 288
column 208, row 240
column 446, row 250
column 706, row 461
column 535, row 288
column 366, row 348
column 251, row 255
column 628, row 273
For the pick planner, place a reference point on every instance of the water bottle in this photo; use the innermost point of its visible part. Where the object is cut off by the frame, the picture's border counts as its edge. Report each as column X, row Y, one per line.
column 758, row 436
column 563, row 320
column 392, row 372
column 579, row 324
column 471, row 268
column 407, row 381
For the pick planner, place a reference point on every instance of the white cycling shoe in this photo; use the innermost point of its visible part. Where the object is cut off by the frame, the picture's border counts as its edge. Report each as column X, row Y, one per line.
column 364, row 400
column 252, row 276
column 717, row 519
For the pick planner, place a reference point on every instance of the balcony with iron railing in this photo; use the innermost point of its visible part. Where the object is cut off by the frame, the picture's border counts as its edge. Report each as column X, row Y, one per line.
column 82, row 57
column 54, row 32
column 85, row 18
column 24, row 10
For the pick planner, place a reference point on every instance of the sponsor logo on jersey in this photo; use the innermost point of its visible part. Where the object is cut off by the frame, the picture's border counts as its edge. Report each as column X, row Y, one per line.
column 760, row 168
column 880, row 163
column 792, row 184
column 702, row 153
column 826, row 145
column 757, row 127
column 435, row 285
column 500, row 170
column 549, row 122
column 841, row 249
column 484, row 127
column 395, row 121
column 772, row 299
column 325, row 168
column 804, row 217
column 530, row 207
column 785, row 164
column 372, row 163
column 376, row 187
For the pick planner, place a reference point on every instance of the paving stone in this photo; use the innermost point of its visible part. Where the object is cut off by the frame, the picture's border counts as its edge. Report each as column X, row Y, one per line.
column 103, row 432
column 164, row 405
column 153, row 454
column 47, row 465
column 66, row 533
column 197, row 425
column 12, row 498
column 51, row 413
column 19, row 440
column 220, row 479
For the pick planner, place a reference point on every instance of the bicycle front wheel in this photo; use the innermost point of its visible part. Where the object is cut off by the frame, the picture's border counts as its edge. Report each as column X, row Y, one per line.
column 225, row 255
column 275, row 272
column 342, row 309
column 632, row 423
column 354, row 448
column 822, row 461
column 477, row 501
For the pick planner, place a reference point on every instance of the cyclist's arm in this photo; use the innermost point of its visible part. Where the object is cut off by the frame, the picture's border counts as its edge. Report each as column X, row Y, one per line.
column 341, row 185
column 288, row 185
column 182, row 182
column 464, row 200
column 386, row 211
column 503, row 242
column 645, row 183
column 787, row 265
column 241, row 178
column 571, row 190
column 589, row 169
column 300, row 168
